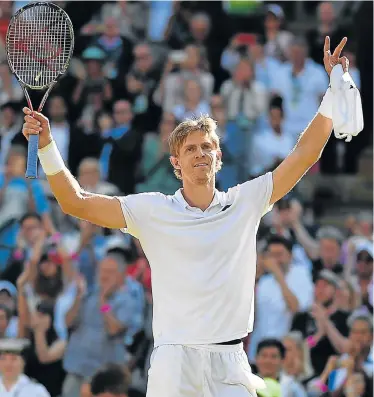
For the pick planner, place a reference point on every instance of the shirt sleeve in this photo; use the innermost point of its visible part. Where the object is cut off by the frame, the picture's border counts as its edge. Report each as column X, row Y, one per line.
column 303, row 289
column 136, row 209
column 130, row 314
column 255, row 195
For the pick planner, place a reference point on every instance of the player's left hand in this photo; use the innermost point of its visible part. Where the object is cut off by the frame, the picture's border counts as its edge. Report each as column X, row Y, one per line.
column 331, row 60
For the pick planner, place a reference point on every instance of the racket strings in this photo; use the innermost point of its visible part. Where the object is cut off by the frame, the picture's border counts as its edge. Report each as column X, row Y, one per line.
column 39, row 44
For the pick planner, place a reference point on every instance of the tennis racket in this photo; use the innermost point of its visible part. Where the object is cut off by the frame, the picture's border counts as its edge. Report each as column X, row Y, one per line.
column 39, row 46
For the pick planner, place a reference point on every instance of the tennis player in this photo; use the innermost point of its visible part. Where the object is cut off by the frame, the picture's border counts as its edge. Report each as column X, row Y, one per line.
column 201, row 243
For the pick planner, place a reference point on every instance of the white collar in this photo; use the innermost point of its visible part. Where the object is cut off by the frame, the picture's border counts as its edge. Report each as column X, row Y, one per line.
column 217, row 200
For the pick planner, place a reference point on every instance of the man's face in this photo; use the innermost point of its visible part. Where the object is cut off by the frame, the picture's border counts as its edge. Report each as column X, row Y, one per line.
column 326, row 12
column 281, row 254
column 192, row 92
column 8, row 117
column 57, row 109
column 364, row 265
column 243, row 73
column 111, row 27
column 16, row 165
column 218, row 109
column 275, row 116
column 192, row 58
column 269, row 362
column 143, row 58
column 11, row 365
column 122, row 113
column 7, row 300
column 31, row 229
column 329, row 250
column 197, row 158
column 199, row 29
column 361, row 335
column 167, row 125
column 297, row 54
column 109, row 274
column 89, row 175
column 324, row 292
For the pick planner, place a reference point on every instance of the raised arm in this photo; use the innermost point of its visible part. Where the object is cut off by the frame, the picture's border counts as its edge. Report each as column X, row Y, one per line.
column 312, row 141
column 101, row 210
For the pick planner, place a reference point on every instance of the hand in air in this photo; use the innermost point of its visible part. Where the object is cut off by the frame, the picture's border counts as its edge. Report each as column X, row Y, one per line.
column 331, row 60
column 36, row 124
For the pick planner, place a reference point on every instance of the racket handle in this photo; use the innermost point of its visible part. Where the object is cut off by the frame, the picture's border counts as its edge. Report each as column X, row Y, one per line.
column 32, row 157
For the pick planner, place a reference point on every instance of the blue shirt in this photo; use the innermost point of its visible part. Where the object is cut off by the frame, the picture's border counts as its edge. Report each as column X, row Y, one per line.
column 90, row 347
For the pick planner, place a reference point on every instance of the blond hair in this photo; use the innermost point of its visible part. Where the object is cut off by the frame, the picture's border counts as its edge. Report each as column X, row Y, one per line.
column 176, row 139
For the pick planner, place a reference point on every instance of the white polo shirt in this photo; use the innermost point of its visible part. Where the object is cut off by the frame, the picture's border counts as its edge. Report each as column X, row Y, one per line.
column 203, row 262
column 24, row 387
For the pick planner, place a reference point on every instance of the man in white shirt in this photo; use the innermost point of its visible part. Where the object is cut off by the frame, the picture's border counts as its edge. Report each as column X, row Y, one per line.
column 13, row 383
column 285, row 290
column 301, row 82
column 201, row 246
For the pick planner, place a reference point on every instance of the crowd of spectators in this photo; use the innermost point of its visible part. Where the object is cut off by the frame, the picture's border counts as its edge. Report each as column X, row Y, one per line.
column 81, row 295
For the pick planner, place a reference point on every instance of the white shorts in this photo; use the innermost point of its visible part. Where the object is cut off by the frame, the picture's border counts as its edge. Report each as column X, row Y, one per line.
column 201, row 371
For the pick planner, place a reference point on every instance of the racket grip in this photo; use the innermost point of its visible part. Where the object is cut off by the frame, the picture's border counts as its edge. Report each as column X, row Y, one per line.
column 32, row 157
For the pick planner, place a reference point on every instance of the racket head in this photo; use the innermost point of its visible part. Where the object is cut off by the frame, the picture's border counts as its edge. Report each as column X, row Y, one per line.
column 39, row 44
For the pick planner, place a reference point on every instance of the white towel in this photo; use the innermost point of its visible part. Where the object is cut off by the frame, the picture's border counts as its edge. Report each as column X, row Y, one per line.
column 347, row 114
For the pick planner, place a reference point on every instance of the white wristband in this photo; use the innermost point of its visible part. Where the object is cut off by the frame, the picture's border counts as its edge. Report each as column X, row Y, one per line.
column 326, row 105
column 50, row 159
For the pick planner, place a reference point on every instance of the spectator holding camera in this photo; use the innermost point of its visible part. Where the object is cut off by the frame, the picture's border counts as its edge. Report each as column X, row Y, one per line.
column 193, row 102
column 277, row 40
column 243, row 96
column 191, row 65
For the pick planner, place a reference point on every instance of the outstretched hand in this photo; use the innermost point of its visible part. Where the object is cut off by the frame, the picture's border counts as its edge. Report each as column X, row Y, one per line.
column 331, row 60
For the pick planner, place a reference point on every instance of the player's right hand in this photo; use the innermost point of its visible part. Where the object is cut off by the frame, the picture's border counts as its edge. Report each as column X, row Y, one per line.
column 36, row 124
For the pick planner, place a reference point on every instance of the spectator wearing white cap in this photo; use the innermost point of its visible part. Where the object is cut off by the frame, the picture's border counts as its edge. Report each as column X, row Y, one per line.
column 13, row 382
column 277, row 39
